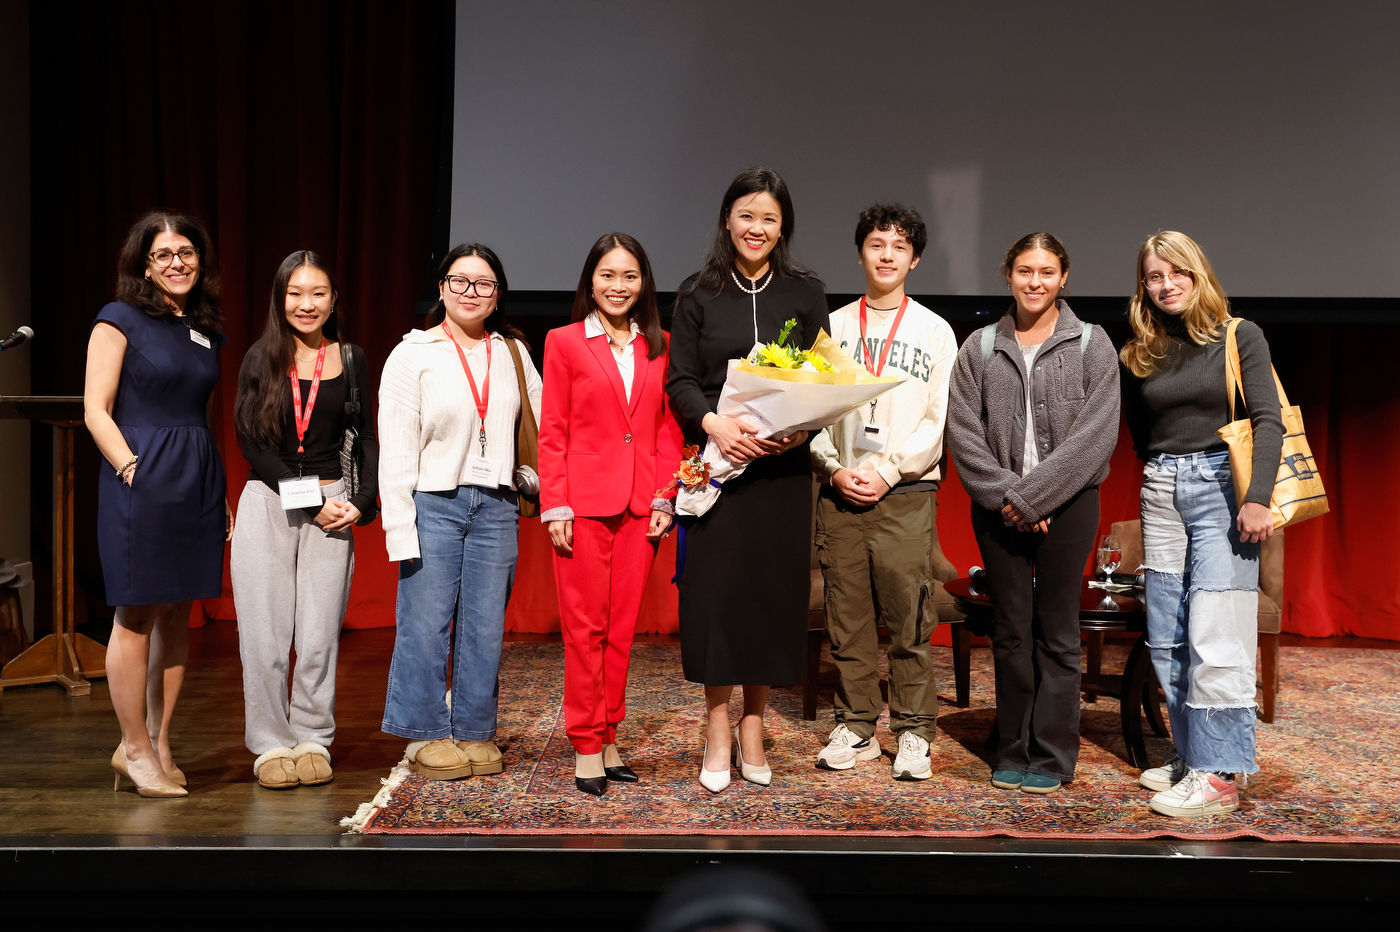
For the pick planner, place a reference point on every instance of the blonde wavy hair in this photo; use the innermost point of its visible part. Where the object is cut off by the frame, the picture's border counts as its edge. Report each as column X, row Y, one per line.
column 1205, row 312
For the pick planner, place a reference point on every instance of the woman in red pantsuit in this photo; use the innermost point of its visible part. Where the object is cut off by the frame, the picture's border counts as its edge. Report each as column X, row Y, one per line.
column 608, row 442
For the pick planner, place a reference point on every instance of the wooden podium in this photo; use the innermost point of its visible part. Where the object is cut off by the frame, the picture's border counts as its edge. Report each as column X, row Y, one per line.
column 63, row 657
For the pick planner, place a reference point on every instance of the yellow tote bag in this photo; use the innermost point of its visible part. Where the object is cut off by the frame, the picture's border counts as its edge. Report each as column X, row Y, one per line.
column 1298, row 492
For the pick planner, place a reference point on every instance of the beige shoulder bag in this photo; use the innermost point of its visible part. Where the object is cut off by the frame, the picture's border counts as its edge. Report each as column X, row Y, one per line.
column 1298, row 492
column 527, row 442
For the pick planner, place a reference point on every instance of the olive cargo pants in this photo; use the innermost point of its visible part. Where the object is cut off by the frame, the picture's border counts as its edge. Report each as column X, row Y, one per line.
column 877, row 562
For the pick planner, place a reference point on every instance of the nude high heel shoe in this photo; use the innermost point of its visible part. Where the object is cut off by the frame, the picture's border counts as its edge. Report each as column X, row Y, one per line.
column 712, row 780
column 760, row 775
column 161, row 788
column 176, row 775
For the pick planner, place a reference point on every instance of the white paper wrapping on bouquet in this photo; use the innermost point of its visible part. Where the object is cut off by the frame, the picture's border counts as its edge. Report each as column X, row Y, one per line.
column 775, row 408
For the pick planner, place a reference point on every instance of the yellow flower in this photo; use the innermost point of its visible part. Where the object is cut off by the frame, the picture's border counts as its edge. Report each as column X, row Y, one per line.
column 779, row 357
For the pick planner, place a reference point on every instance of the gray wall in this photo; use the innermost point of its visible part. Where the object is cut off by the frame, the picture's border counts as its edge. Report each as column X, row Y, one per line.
column 14, row 281
column 1268, row 131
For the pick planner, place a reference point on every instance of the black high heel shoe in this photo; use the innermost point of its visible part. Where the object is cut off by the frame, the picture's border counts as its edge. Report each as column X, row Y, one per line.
column 622, row 774
column 593, row 786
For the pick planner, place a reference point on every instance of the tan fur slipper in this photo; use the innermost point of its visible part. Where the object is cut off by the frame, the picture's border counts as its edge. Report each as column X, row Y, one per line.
column 313, row 764
column 441, row 760
column 276, row 769
column 484, row 755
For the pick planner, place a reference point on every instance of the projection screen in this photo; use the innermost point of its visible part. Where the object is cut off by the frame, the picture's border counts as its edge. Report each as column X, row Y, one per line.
column 1268, row 131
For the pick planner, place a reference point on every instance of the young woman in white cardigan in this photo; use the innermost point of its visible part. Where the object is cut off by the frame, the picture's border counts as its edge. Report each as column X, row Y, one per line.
column 448, row 403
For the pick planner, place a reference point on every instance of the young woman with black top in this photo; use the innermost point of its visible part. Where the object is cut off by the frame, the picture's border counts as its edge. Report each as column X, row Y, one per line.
column 1032, row 422
column 1200, row 549
column 293, row 556
column 745, row 583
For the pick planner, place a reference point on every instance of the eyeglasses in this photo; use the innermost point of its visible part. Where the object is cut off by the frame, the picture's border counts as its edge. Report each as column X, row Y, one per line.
column 460, row 284
column 163, row 257
column 1179, row 277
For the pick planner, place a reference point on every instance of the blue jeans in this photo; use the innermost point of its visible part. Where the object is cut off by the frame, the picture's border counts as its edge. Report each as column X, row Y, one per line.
column 468, row 542
column 1202, row 608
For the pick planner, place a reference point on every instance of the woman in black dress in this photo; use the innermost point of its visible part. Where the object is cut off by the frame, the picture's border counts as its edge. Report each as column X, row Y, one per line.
column 153, row 361
column 744, row 586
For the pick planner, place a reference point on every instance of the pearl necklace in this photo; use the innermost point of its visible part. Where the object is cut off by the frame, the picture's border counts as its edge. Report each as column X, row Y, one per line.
column 766, row 282
column 753, row 295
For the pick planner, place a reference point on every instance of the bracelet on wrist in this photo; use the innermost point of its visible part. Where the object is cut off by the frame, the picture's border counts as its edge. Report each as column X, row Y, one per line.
column 127, row 466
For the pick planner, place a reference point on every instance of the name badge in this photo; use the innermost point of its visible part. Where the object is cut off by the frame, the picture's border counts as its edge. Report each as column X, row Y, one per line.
column 484, row 470
column 871, row 437
column 300, row 493
column 200, row 338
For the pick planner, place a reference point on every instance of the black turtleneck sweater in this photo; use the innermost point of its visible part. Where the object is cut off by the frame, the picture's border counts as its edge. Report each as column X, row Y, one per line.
column 1180, row 406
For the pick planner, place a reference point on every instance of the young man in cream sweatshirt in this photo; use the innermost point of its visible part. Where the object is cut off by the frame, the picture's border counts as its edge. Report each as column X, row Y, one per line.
column 877, row 531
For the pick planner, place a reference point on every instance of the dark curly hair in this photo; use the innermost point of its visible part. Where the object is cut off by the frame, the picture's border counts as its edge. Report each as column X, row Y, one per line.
column 134, row 288
column 893, row 216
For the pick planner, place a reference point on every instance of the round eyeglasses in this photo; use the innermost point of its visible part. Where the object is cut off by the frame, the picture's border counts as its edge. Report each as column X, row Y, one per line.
column 163, row 257
column 1178, row 277
column 460, row 284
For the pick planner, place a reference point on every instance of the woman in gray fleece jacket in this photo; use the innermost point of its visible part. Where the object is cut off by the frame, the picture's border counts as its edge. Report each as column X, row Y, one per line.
column 1032, row 422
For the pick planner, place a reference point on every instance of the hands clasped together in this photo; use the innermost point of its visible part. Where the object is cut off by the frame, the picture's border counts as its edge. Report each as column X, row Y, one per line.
column 739, row 441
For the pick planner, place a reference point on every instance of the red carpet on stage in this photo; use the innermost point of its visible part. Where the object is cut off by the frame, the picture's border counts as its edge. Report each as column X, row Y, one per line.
column 1329, row 767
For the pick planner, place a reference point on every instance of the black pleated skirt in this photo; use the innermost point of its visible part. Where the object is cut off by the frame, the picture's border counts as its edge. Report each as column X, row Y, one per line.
column 747, row 577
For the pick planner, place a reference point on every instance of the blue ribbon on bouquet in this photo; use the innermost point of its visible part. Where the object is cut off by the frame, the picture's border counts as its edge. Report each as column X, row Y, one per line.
column 680, row 542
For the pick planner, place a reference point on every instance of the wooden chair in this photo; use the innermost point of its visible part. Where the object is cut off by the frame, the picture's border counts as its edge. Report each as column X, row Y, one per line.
column 940, row 603
column 1129, row 534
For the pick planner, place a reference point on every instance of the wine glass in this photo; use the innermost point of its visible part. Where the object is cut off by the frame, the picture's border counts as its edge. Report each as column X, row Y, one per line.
column 1108, row 557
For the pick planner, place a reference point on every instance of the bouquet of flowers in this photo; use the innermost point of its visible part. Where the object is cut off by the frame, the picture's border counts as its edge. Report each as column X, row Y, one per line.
column 779, row 389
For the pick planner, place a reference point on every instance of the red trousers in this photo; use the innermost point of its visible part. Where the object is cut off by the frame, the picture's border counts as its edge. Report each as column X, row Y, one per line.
column 600, row 594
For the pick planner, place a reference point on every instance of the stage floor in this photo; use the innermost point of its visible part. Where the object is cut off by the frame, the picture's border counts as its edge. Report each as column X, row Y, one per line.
column 61, row 820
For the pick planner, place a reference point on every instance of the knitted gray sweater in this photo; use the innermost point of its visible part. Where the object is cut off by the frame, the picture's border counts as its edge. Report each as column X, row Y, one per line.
column 1075, row 418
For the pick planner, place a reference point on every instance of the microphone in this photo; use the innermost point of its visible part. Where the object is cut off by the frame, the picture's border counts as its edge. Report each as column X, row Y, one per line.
column 16, row 338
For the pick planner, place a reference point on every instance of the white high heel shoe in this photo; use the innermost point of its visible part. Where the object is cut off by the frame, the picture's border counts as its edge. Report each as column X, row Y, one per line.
column 760, row 775
column 712, row 780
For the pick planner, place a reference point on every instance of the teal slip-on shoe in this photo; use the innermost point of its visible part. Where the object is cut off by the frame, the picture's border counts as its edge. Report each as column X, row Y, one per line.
column 1039, row 783
column 1008, row 779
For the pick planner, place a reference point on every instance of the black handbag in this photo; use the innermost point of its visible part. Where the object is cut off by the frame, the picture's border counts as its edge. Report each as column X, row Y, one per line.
column 352, row 450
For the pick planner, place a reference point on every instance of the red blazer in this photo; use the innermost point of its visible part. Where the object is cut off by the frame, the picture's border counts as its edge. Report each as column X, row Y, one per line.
column 600, row 454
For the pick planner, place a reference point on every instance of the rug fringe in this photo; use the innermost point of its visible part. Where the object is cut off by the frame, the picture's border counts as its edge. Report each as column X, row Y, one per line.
column 357, row 823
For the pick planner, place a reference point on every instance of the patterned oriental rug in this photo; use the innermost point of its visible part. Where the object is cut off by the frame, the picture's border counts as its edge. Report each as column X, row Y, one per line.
column 1330, row 766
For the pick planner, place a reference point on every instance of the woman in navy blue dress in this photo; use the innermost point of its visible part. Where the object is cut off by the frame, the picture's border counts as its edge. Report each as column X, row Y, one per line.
column 162, row 519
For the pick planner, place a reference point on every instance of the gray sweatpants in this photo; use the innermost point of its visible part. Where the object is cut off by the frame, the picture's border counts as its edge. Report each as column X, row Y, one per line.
column 291, row 585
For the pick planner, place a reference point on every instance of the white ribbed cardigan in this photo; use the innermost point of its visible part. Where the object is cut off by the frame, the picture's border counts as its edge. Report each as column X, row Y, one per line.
column 428, row 424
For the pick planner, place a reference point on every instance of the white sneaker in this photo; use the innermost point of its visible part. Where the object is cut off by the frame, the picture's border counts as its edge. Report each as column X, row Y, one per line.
column 1164, row 777
column 844, row 747
column 1199, row 793
column 914, row 760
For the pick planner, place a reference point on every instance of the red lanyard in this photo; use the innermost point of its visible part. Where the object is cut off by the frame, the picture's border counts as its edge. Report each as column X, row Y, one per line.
column 482, row 398
column 304, row 422
column 889, row 337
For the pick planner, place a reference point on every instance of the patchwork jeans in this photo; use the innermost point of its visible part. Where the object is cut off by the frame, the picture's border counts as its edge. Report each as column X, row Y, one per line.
column 1202, row 608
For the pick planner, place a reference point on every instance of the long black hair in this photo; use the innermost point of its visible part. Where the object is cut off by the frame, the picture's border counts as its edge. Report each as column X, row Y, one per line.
column 134, row 288
column 496, row 320
column 644, row 311
column 719, row 258
column 264, row 391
